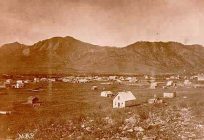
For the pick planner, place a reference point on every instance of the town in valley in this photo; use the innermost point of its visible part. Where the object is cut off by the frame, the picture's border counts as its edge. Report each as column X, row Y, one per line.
column 102, row 106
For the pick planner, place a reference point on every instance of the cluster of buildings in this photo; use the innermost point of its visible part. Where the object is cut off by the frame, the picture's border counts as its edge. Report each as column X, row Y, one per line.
column 19, row 83
column 12, row 84
column 85, row 79
column 151, row 81
column 127, row 98
column 195, row 81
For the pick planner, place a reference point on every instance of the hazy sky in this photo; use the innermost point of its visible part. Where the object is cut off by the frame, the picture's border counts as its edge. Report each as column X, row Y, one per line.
column 103, row 22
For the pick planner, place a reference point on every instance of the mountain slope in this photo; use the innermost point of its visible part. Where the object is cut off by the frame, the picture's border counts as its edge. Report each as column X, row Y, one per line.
column 64, row 55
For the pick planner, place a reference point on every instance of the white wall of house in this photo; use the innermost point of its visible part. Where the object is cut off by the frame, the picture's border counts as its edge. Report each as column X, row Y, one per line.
column 19, row 84
column 118, row 103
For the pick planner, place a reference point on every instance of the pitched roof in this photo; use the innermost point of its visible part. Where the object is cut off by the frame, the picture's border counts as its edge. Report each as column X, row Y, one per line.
column 126, row 96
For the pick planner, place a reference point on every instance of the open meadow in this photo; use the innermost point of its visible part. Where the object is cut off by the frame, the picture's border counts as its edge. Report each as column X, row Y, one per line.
column 74, row 111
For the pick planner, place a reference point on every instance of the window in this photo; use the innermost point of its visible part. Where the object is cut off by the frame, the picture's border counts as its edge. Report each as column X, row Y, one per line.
column 118, row 97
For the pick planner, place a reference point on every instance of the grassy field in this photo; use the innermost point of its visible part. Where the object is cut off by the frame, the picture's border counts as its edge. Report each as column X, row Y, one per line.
column 74, row 111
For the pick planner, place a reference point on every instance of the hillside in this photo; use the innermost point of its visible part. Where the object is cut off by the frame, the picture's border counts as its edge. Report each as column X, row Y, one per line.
column 64, row 55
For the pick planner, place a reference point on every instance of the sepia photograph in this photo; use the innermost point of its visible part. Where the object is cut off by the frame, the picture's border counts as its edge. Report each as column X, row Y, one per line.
column 101, row 70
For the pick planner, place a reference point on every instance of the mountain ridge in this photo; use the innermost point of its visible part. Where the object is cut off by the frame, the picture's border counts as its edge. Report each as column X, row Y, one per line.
column 65, row 55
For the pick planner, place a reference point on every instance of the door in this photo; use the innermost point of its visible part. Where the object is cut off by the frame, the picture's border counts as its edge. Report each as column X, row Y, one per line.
column 118, row 104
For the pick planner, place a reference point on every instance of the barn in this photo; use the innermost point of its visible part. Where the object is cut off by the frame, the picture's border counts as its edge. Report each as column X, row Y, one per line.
column 122, row 98
column 106, row 93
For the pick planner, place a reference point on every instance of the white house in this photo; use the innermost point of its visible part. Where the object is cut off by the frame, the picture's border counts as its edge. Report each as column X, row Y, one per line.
column 67, row 79
column 8, row 81
column 133, row 80
column 187, row 82
column 19, row 84
column 106, row 93
column 36, row 80
column 169, row 94
column 146, row 77
column 169, row 83
column 122, row 98
column 128, row 78
column 121, row 78
column 118, row 80
column 83, row 80
column 27, row 81
column 112, row 77
column 2, row 85
column 200, row 77
column 106, row 83
column 153, row 85
column 52, row 80
column 43, row 79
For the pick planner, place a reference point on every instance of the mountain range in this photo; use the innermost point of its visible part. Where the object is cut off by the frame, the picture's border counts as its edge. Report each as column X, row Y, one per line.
column 67, row 55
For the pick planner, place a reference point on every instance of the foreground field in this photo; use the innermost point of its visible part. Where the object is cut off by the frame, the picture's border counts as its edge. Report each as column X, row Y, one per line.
column 74, row 111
